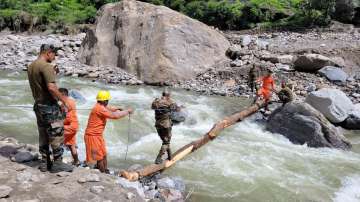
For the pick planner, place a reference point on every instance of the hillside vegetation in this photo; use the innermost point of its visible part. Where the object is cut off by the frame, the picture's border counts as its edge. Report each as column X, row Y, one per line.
column 21, row 15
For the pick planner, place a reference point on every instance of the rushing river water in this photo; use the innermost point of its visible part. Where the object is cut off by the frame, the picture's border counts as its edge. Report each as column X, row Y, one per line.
column 244, row 164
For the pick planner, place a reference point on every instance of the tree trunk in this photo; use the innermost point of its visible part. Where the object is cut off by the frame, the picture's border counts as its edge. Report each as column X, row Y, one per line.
column 193, row 146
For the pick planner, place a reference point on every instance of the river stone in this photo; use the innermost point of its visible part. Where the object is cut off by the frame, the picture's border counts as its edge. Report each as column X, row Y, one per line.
column 152, row 42
column 333, row 74
column 97, row 189
column 170, row 195
column 352, row 122
column 333, row 103
column 312, row 62
column 22, row 157
column 135, row 185
column 303, row 124
column 5, row 191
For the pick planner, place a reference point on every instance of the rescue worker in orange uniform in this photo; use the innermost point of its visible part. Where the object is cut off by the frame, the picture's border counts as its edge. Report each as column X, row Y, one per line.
column 71, row 126
column 94, row 140
column 267, row 87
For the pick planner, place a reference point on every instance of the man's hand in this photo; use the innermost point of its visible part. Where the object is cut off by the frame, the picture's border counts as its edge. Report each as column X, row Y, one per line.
column 54, row 91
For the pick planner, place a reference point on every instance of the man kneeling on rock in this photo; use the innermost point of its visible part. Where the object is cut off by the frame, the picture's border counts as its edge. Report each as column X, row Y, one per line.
column 163, row 108
column 94, row 137
column 49, row 115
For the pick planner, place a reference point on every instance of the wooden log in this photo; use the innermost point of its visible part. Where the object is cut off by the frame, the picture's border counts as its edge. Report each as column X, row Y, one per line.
column 193, row 146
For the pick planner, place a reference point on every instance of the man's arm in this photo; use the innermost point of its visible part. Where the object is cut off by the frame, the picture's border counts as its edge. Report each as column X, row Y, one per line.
column 54, row 91
column 114, row 109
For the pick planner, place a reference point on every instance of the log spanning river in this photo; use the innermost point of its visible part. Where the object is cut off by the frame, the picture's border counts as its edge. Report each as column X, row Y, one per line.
column 245, row 163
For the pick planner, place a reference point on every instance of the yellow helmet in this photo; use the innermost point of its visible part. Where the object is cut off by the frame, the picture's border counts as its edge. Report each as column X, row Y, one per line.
column 103, row 95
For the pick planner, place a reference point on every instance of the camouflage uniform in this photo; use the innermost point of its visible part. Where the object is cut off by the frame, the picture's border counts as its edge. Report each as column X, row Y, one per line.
column 163, row 108
column 285, row 95
column 48, row 113
column 50, row 121
column 252, row 79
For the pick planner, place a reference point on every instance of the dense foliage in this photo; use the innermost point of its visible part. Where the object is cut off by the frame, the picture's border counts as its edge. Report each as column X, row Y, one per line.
column 224, row 14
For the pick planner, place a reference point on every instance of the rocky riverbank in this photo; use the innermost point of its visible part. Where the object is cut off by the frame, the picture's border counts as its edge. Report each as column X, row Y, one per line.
column 287, row 53
column 21, row 181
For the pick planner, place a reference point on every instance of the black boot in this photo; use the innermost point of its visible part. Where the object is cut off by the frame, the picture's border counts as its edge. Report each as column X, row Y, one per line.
column 168, row 150
column 59, row 166
column 161, row 153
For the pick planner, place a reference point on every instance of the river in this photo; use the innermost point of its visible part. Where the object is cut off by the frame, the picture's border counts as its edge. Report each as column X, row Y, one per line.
column 245, row 163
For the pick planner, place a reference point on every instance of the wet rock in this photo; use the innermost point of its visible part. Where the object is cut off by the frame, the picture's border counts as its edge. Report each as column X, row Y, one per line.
column 150, row 194
column 134, row 185
column 312, row 62
column 333, row 103
column 97, row 189
column 5, row 191
column 22, row 157
column 333, row 74
column 303, row 124
column 171, row 195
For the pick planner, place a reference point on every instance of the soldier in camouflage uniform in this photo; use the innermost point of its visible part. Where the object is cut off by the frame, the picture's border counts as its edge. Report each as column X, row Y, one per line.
column 163, row 107
column 49, row 115
column 285, row 94
column 252, row 79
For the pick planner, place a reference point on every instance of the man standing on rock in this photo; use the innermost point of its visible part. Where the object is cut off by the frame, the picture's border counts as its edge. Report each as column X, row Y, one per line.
column 252, row 79
column 94, row 133
column 267, row 87
column 71, row 126
column 163, row 108
column 49, row 115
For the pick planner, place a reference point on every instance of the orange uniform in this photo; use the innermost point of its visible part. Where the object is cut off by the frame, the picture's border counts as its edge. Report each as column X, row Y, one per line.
column 94, row 140
column 266, row 88
column 71, row 124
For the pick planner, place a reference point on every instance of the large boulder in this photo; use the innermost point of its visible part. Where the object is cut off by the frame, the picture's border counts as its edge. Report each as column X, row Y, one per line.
column 312, row 62
column 152, row 42
column 302, row 124
column 334, row 74
column 333, row 103
column 352, row 122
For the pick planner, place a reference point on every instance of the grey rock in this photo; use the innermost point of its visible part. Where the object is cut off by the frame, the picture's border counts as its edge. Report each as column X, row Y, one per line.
column 245, row 40
column 24, row 176
column 63, row 174
column 152, row 194
column 284, row 67
column 5, row 191
column 310, row 87
column 236, row 63
column 312, row 62
column 166, row 182
column 22, row 157
column 97, row 189
column 302, row 124
column 170, row 195
column 81, row 180
column 130, row 195
column 135, row 185
column 333, row 103
column 133, row 39
column 333, row 74
column 92, row 178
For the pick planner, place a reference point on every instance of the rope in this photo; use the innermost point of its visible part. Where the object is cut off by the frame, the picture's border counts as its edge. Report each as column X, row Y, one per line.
column 128, row 137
